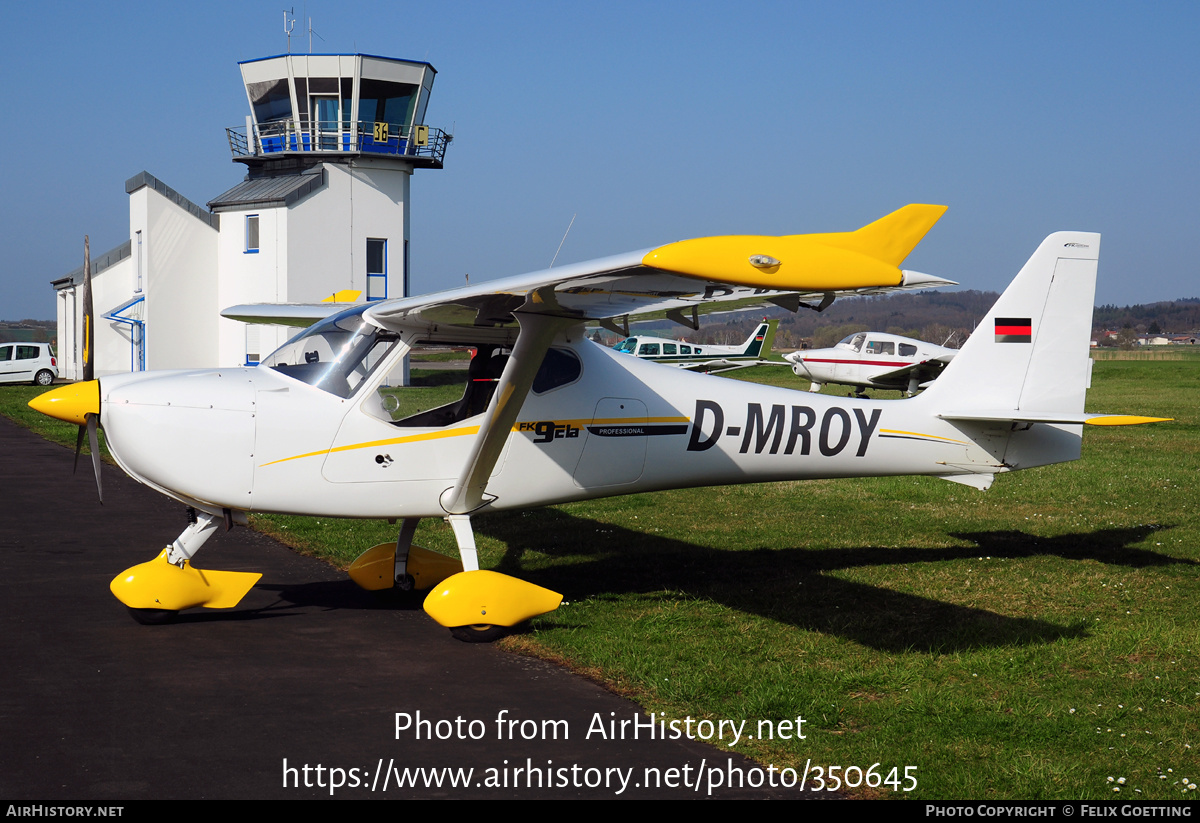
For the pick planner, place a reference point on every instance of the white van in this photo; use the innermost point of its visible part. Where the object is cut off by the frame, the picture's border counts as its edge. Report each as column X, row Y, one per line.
column 28, row 363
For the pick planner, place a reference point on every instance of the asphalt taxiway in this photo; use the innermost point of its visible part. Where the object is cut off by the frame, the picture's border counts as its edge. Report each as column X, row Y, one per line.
column 307, row 671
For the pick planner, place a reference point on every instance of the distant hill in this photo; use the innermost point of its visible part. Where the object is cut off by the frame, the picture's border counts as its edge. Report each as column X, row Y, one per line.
column 28, row 331
column 945, row 318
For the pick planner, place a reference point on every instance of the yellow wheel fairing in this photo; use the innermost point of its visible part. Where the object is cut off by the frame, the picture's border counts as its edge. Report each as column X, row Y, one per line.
column 428, row 568
column 375, row 569
column 488, row 598
column 160, row 584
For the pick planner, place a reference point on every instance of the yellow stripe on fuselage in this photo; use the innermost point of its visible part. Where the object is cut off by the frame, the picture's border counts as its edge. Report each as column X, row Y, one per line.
column 468, row 430
column 919, row 434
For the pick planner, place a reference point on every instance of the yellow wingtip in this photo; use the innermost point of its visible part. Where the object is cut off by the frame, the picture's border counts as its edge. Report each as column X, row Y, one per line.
column 343, row 296
column 1126, row 420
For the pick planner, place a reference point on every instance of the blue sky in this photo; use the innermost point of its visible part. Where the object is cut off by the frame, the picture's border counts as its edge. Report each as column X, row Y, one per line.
column 652, row 122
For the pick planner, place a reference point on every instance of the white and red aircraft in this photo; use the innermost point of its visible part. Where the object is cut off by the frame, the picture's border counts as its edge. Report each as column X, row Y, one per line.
column 308, row 431
column 872, row 360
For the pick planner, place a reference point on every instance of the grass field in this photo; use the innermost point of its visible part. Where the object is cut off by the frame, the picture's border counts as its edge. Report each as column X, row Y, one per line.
column 1027, row 642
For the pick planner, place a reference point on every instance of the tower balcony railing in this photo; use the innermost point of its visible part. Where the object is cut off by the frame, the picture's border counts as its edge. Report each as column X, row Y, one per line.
column 423, row 144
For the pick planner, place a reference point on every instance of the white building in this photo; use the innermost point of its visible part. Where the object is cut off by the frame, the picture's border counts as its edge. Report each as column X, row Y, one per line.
column 329, row 146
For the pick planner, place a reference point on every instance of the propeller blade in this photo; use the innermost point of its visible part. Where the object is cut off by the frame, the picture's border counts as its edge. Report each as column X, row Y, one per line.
column 89, row 315
column 78, row 448
column 94, row 442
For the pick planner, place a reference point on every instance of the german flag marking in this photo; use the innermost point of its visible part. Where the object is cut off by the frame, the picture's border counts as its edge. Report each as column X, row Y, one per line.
column 1014, row 330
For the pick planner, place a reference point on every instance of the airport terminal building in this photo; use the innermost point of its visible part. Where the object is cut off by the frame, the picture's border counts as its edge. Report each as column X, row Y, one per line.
column 329, row 147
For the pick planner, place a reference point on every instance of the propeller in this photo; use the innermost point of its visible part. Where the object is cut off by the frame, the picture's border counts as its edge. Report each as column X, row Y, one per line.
column 89, row 372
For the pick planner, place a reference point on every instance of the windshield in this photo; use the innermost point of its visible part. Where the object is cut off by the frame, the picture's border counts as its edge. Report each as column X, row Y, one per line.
column 335, row 355
column 853, row 341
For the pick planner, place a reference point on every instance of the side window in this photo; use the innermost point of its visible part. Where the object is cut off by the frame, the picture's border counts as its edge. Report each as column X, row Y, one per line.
column 648, row 349
column 560, row 367
column 5, row 352
column 684, row 348
column 668, row 348
column 27, row 352
column 887, row 348
column 872, row 347
column 251, row 234
column 907, row 350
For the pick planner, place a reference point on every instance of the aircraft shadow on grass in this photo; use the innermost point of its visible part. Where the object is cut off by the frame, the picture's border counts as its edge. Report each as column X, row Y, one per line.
column 790, row 585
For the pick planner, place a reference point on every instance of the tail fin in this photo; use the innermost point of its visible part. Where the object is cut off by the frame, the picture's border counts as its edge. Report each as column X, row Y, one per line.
column 759, row 343
column 1031, row 352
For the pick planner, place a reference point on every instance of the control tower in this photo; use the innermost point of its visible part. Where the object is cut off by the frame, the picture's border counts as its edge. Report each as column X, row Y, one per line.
column 327, row 152
column 309, row 108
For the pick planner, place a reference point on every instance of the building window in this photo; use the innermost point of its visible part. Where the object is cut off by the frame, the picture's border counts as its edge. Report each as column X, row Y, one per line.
column 376, row 269
column 253, row 344
column 137, row 274
column 251, row 234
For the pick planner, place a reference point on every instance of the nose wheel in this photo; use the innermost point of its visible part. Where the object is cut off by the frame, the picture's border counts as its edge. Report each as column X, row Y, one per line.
column 153, row 617
column 479, row 633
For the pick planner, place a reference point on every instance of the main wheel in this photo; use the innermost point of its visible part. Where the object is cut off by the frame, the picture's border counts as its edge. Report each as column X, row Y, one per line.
column 43, row 378
column 153, row 617
column 479, row 633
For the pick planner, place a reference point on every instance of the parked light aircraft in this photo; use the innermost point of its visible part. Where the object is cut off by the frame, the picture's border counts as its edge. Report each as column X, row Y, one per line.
column 872, row 360
column 554, row 417
column 703, row 356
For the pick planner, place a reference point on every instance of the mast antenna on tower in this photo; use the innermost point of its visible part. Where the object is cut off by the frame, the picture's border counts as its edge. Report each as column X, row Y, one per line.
column 288, row 25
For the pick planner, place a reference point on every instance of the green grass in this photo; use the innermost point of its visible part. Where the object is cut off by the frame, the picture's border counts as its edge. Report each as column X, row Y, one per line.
column 1022, row 643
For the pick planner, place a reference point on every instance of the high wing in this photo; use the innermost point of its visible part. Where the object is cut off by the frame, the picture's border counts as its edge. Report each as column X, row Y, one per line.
column 527, row 312
column 687, row 276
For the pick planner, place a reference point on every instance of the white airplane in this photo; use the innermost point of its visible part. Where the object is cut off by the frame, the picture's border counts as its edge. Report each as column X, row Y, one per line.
column 307, row 432
column 873, row 360
column 704, row 357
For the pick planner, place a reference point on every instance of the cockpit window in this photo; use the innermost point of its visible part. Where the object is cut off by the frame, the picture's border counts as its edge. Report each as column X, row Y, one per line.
column 853, row 341
column 628, row 345
column 335, row 355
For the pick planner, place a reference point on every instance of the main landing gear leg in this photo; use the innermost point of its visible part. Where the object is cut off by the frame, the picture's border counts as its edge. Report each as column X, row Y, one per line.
column 408, row 530
column 157, row 591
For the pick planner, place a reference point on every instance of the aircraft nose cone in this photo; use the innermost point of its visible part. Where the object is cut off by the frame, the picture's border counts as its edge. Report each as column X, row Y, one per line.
column 71, row 403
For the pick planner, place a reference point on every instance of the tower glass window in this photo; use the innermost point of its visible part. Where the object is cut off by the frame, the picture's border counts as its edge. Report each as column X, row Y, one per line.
column 376, row 269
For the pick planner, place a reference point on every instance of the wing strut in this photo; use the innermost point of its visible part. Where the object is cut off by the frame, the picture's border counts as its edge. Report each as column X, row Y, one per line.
column 537, row 333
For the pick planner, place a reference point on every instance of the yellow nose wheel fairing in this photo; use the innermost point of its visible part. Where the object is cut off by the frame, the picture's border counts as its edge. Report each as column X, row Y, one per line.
column 162, row 586
column 483, row 599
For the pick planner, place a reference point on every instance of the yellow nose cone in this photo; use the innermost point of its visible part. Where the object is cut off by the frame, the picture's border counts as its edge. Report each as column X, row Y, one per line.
column 70, row 403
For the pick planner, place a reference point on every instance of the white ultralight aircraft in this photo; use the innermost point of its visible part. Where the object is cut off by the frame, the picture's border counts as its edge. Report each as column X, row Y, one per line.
column 705, row 357
column 873, row 360
column 554, row 417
